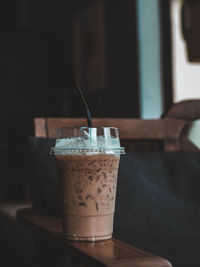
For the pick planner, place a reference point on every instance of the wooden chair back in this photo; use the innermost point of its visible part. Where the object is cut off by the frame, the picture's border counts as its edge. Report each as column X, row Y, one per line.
column 135, row 134
column 188, row 110
column 184, row 110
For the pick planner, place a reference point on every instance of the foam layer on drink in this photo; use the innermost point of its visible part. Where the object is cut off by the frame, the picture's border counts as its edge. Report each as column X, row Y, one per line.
column 64, row 145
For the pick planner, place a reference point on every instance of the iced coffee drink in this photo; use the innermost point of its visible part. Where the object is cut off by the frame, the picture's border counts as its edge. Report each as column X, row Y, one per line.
column 88, row 167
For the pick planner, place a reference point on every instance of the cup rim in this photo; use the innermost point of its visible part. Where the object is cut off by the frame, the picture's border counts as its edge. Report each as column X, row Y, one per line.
column 67, row 151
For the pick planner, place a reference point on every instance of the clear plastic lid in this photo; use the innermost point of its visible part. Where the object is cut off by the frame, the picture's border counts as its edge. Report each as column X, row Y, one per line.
column 84, row 140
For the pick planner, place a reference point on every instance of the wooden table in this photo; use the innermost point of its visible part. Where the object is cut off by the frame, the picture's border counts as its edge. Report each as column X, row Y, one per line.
column 50, row 246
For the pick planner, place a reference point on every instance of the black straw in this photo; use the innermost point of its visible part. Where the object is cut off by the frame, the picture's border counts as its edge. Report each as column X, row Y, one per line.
column 89, row 117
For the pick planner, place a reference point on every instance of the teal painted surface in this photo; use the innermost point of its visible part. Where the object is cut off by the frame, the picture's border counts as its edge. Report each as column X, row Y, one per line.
column 151, row 92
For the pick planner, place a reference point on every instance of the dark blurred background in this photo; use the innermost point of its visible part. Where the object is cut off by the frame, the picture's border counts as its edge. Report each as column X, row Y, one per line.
column 45, row 45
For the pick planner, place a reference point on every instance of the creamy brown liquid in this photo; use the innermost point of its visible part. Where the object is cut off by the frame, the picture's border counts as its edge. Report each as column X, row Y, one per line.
column 88, row 184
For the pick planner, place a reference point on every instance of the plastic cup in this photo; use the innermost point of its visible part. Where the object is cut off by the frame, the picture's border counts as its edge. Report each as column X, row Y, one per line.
column 88, row 160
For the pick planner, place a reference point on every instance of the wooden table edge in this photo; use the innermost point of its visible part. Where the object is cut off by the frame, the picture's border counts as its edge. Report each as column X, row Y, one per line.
column 73, row 248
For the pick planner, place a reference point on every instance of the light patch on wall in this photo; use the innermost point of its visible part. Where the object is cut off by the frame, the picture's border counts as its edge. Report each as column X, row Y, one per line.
column 186, row 75
column 151, row 91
